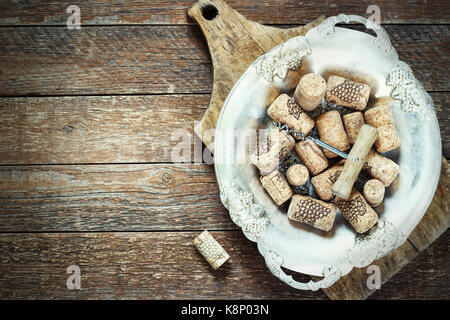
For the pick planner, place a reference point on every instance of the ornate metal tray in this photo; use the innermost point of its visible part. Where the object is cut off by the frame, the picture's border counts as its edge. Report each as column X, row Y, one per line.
column 329, row 49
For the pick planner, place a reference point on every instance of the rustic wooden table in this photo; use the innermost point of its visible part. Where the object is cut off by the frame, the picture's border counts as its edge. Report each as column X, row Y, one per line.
column 86, row 177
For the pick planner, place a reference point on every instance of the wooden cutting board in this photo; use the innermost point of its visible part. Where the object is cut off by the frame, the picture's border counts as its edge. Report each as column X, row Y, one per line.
column 234, row 43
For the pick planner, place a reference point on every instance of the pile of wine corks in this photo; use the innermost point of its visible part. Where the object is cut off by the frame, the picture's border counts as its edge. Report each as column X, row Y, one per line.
column 319, row 168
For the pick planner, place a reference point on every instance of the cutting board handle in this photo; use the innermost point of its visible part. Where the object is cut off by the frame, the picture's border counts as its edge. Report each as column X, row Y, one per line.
column 234, row 43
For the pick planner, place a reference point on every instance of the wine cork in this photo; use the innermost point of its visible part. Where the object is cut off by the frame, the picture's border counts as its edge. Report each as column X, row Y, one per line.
column 352, row 123
column 312, row 156
column 331, row 131
column 310, row 91
column 273, row 149
column 381, row 168
column 357, row 211
column 373, row 191
column 277, row 187
column 323, row 182
column 347, row 93
column 210, row 249
column 355, row 161
column 297, row 175
column 285, row 110
column 381, row 118
column 317, row 213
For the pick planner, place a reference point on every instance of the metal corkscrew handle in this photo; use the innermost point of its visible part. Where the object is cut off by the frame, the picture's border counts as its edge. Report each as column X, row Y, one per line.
column 315, row 140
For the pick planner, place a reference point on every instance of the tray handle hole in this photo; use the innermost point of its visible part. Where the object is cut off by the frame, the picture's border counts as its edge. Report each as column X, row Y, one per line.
column 209, row 12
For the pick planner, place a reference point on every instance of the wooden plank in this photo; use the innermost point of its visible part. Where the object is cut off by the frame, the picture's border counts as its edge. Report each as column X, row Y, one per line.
column 106, row 129
column 164, row 265
column 103, row 60
column 113, row 129
column 155, row 265
column 50, row 12
column 158, row 59
column 135, row 197
column 437, row 218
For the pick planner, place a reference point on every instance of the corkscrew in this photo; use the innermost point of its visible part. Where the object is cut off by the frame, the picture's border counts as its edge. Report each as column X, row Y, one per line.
column 320, row 143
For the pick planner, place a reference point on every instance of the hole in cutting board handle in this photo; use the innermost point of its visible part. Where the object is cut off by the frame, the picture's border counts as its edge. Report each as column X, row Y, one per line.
column 209, row 12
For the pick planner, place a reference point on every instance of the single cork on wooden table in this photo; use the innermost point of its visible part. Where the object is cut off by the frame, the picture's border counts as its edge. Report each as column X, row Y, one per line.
column 373, row 191
column 277, row 187
column 210, row 249
column 357, row 211
column 323, row 182
column 297, row 175
column 310, row 91
column 316, row 213
column 272, row 150
column 381, row 168
column 331, row 131
column 312, row 156
column 352, row 123
column 285, row 110
column 380, row 117
column 355, row 161
column 347, row 93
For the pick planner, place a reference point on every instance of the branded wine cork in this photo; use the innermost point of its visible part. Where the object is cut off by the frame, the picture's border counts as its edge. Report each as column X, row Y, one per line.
column 381, row 118
column 331, row 131
column 373, row 191
column 316, row 213
column 297, row 175
column 381, row 168
column 284, row 109
column 210, row 249
column 277, row 187
column 312, row 156
column 310, row 91
column 323, row 182
column 274, row 148
column 352, row 123
column 357, row 211
column 347, row 93
column 355, row 161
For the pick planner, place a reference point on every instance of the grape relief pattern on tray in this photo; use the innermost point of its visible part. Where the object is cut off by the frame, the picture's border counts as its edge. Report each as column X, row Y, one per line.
column 278, row 61
column 375, row 245
column 248, row 215
column 413, row 96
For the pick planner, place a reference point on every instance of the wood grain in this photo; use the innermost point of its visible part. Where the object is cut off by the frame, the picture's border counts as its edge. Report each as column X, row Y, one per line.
column 109, row 129
column 113, row 129
column 51, row 12
column 165, row 265
column 425, row 277
column 111, row 198
column 158, row 59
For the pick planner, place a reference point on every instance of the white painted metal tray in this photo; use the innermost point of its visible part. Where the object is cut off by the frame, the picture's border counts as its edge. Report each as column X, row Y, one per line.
column 328, row 49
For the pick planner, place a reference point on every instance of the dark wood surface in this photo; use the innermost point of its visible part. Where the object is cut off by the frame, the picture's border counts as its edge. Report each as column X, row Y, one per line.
column 85, row 138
